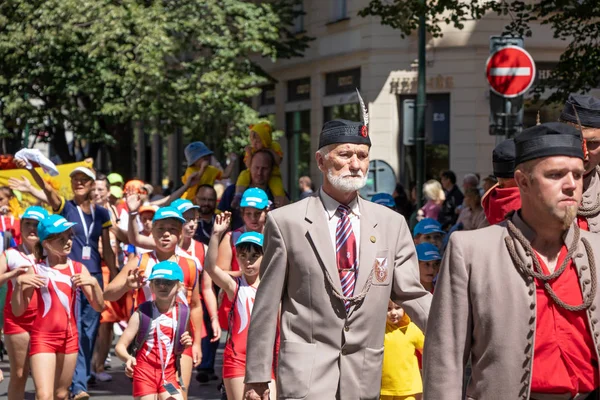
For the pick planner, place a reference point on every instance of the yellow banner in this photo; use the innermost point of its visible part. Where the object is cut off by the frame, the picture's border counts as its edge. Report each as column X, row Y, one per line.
column 61, row 183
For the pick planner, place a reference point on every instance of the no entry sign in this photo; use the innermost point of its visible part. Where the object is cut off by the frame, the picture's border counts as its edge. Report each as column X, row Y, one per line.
column 510, row 71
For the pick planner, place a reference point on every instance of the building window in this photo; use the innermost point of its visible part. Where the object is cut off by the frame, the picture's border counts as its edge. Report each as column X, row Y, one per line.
column 299, row 155
column 437, row 138
column 299, row 20
column 298, row 89
column 350, row 112
column 342, row 81
column 267, row 96
column 340, row 10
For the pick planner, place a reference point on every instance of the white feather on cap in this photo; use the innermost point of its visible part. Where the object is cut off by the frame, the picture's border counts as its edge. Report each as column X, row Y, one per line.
column 365, row 112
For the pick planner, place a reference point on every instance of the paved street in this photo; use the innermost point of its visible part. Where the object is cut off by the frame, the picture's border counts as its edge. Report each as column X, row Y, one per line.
column 120, row 387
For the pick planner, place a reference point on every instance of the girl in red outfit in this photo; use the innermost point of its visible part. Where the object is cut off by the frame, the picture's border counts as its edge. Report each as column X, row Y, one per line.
column 254, row 206
column 54, row 339
column 15, row 262
column 153, row 367
column 241, row 291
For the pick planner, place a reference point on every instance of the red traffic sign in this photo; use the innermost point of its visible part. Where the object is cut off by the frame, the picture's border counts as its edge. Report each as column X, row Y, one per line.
column 510, row 71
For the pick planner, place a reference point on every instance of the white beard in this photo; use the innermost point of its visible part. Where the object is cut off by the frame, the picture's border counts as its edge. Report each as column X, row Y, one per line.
column 347, row 183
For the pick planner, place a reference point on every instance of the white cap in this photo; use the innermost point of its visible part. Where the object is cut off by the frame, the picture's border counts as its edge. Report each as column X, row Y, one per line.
column 85, row 171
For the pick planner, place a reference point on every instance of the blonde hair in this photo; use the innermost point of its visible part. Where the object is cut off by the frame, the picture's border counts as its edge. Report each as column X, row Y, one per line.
column 432, row 190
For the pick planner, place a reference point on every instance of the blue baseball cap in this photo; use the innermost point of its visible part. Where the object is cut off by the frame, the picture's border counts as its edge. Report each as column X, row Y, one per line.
column 255, row 198
column 35, row 212
column 250, row 237
column 52, row 225
column 385, row 199
column 183, row 205
column 426, row 226
column 166, row 213
column 428, row 252
column 195, row 151
column 168, row 270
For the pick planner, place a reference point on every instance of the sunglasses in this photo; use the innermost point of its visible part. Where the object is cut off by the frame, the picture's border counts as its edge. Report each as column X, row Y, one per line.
column 164, row 282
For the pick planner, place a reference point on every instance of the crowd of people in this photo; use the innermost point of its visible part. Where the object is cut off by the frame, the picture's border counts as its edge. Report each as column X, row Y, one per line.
column 486, row 291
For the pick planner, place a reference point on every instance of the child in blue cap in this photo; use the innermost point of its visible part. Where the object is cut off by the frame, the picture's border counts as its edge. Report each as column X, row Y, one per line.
column 55, row 280
column 428, row 230
column 155, row 349
column 241, row 291
column 198, row 158
column 14, row 262
column 429, row 264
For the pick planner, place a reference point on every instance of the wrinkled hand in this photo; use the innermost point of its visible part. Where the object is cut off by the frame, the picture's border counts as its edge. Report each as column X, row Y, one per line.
column 196, row 354
column 134, row 202
column 216, row 328
column 256, row 391
column 221, row 223
column 80, row 280
column 20, row 185
column 194, row 179
column 31, row 280
column 186, row 339
column 135, row 280
column 129, row 366
column 20, row 163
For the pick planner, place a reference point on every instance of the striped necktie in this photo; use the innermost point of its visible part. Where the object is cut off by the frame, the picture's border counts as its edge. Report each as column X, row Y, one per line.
column 345, row 244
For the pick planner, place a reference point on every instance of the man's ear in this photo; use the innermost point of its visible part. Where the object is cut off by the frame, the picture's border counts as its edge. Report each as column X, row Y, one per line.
column 320, row 160
column 522, row 180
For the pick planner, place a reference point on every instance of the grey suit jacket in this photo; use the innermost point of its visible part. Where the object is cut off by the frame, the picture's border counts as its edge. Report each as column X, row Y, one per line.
column 325, row 353
column 484, row 310
column 590, row 197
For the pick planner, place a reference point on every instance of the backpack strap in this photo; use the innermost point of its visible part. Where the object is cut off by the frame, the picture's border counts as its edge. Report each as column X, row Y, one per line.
column 145, row 313
column 183, row 319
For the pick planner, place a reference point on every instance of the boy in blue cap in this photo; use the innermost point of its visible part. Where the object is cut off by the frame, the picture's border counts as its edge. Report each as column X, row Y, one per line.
column 428, row 230
column 429, row 264
column 385, row 199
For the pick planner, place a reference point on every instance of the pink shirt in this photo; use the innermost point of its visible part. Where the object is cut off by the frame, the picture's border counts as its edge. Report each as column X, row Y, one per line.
column 431, row 210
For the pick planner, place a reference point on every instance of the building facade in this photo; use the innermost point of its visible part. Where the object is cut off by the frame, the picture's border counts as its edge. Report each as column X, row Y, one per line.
column 353, row 52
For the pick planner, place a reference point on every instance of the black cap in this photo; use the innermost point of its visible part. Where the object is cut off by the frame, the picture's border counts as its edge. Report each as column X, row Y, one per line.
column 549, row 139
column 343, row 131
column 588, row 110
column 503, row 159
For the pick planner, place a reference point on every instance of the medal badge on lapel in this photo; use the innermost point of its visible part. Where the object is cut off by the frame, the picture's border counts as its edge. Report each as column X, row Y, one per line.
column 381, row 269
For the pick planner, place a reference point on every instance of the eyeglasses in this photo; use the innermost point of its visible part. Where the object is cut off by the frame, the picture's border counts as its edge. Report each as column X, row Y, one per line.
column 81, row 180
column 164, row 282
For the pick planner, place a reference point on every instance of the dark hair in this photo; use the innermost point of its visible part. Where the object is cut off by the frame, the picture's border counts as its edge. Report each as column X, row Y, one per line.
column 207, row 186
column 101, row 177
column 264, row 151
column 450, row 176
column 8, row 191
column 247, row 247
column 38, row 249
column 403, row 204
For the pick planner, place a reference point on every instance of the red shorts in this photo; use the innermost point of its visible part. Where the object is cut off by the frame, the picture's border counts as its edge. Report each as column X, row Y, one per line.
column 43, row 343
column 234, row 367
column 148, row 379
column 16, row 325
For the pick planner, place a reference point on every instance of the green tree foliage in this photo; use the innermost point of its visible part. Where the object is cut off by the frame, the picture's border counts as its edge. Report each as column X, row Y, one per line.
column 94, row 66
column 577, row 22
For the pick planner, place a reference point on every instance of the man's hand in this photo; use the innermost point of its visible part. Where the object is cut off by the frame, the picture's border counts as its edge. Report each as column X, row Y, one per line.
column 256, row 391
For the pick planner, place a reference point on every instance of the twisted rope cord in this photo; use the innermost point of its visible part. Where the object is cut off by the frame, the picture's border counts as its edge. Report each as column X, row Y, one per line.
column 594, row 209
column 515, row 235
column 352, row 299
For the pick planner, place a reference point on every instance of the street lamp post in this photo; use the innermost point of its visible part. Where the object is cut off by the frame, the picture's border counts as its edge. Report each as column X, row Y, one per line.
column 420, row 111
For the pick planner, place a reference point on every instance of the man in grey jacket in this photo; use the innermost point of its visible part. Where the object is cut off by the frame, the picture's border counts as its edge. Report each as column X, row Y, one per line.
column 518, row 299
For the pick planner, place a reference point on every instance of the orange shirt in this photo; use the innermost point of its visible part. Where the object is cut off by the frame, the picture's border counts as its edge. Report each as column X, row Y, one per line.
column 564, row 359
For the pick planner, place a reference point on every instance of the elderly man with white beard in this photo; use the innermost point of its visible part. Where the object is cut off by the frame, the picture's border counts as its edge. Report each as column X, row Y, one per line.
column 332, row 261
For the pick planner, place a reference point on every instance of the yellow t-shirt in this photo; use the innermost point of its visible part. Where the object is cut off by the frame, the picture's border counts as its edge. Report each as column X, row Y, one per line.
column 210, row 175
column 401, row 375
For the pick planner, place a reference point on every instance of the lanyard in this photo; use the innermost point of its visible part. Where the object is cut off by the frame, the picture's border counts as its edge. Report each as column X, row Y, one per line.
column 169, row 345
column 204, row 232
column 12, row 222
column 87, row 232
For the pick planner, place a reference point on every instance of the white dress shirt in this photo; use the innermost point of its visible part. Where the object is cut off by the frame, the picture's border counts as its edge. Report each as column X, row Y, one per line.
column 333, row 216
